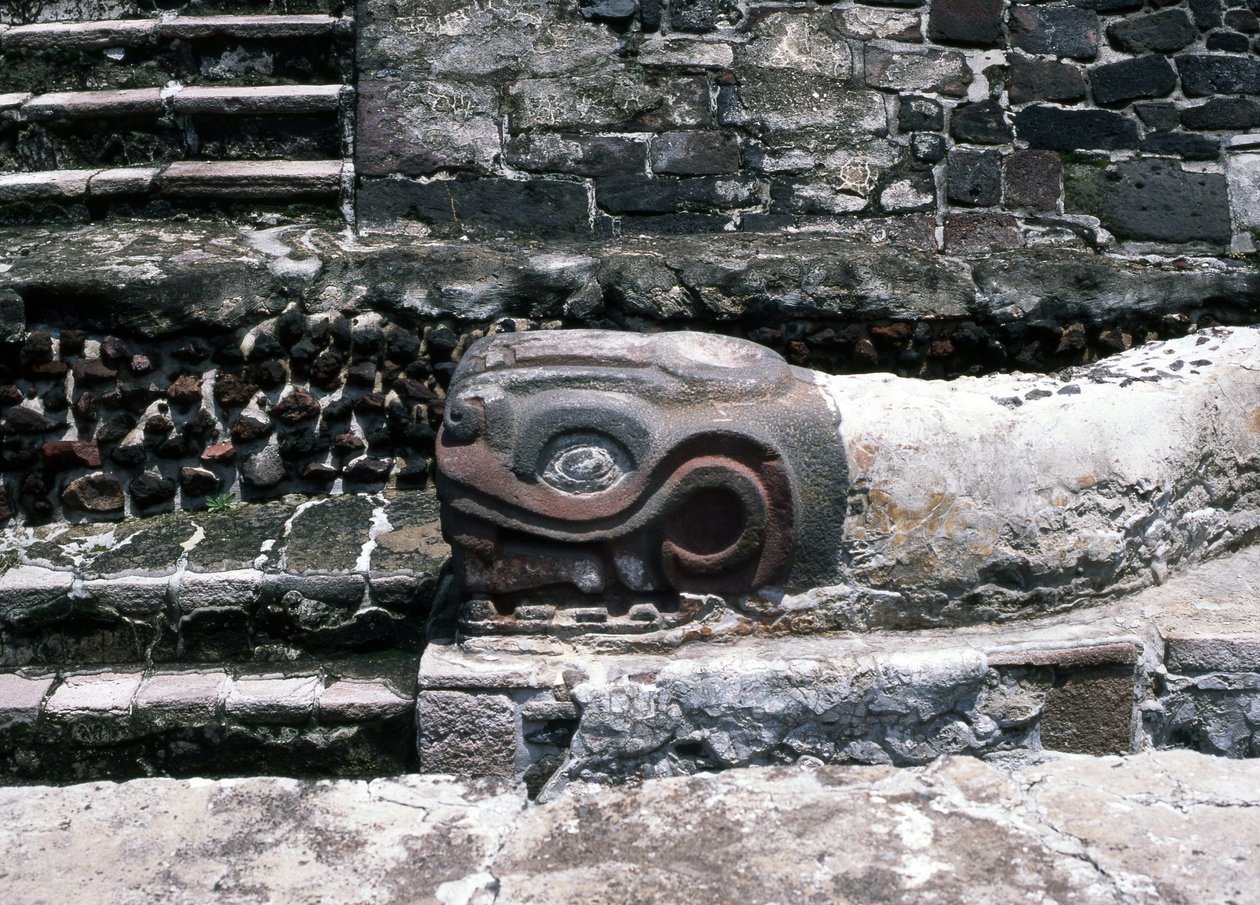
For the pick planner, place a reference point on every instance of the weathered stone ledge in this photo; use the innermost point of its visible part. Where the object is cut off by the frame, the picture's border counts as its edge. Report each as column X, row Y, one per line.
column 1140, row 830
column 144, row 697
column 164, row 278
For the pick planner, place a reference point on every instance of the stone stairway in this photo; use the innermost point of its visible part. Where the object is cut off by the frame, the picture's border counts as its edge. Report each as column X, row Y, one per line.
column 149, row 114
column 281, row 638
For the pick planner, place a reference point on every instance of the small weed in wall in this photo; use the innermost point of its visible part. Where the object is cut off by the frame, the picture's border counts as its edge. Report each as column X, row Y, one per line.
column 220, row 502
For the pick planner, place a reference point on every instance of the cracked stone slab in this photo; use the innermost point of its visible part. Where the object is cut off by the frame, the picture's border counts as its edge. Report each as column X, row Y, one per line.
column 1140, row 830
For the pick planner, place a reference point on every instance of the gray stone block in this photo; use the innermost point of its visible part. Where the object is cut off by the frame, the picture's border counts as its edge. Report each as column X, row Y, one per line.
column 1060, row 29
column 182, row 698
column 1152, row 200
column 361, row 700
column 975, row 178
column 466, row 734
column 272, row 699
column 20, row 698
column 104, row 696
column 1212, row 653
column 33, row 593
column 1243, row 173
column 130, row 595
column 238, row 588
column 419, row 128
column 913, row 69
column 975, row 23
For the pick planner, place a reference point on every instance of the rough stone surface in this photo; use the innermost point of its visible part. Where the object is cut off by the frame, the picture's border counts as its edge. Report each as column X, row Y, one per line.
column 281, row 700
column 1119, row 83
column 969, row 22
column 1075, row 829
column 1055, row 28
column 466, row 734
column 1054, row 129
column 1152, row 199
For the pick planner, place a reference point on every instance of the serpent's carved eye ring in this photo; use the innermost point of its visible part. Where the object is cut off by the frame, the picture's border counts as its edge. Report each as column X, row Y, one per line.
column 583, row 462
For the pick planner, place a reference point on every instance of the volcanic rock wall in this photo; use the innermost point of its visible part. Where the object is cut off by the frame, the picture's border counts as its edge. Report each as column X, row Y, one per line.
column 956, row 124
column 932, row 189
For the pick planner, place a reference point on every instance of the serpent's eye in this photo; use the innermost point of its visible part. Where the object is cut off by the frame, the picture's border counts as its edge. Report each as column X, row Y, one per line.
column 584, row 462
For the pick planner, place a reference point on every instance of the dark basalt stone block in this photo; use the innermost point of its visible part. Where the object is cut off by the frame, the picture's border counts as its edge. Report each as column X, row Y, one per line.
column 1120, row 83
column 975, row 178
column 1053, row 129
column 919, row 114
column 1152, row 200
column 1203, row 75
column 1222, row 113
column 1166, row 31
column 539, row 207
column 1059, row 29
column 982, row 124
column 976, row 23
column 1044, row 80
column 1183, row 145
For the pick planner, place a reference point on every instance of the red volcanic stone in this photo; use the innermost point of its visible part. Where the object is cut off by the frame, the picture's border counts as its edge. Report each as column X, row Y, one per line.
column 114, row 350
column 349, row 443
column 892, row 335
column 296, row 407
column 864, row 354
column 320, row 473
column 232, row 392
column 248, row 428
column 185, row 390
column 85, row 407
column 159, row 425
column 370, row 404
column 60, row 455
column 93, row 370
column 72, row 342
column 23, row 420
column 99, row 493
column 219, row 453
column 410, row 388
column 326, row 370
column 369, row 471
column 49, row 369
column 199, row 481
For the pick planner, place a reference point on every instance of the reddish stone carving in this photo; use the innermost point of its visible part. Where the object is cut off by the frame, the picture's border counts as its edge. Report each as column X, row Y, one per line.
column 633, row 467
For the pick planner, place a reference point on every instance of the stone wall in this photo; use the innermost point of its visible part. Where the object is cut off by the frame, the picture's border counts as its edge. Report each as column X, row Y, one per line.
column 956, row 124
column 146, row 368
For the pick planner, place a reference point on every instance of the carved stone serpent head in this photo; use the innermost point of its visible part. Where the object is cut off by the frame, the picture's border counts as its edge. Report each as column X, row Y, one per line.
column 602, row 463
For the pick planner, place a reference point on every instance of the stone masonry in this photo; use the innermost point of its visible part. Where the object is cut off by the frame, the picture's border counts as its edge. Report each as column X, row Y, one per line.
column 970, row 126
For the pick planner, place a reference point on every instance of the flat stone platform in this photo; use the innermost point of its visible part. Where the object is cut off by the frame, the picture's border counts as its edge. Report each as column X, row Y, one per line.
column 1153, row 828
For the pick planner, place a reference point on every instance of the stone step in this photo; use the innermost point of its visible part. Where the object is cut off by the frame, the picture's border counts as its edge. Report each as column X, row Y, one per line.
column 259, row 100
column 252, row 179
column 1168, row 827
column 55, row 11
column 134, row 32
column 255, row 179
column 297, row 579
column 1174, row 666
column 347, row 718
